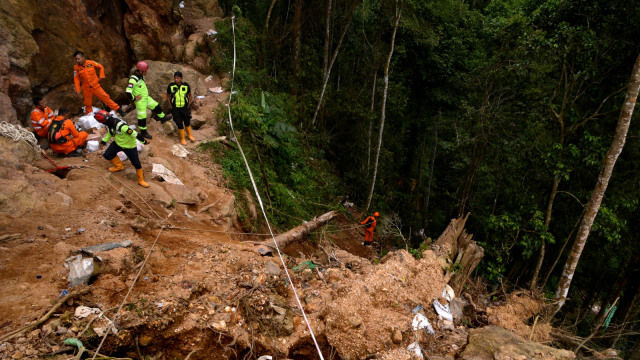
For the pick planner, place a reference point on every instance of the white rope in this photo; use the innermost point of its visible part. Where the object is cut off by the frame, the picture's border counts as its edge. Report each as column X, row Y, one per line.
column 255, row 188
column 18, row 133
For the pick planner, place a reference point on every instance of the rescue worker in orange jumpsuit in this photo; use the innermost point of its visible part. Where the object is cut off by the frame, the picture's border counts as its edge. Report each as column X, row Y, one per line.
column 87, row 75
column 41, row 117
column 63, row 136
column 370, row 224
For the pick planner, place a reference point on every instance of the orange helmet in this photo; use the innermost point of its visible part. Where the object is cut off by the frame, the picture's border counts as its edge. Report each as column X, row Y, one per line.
column 376, row 214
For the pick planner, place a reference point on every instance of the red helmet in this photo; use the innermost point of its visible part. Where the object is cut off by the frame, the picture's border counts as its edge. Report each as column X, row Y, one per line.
column 376, row 214
column 142, row 66
column 101, row 116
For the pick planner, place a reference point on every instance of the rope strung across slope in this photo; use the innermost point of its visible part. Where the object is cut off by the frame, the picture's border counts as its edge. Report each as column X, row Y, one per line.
column 18, row 133
column 255, row 188
column 129, row 292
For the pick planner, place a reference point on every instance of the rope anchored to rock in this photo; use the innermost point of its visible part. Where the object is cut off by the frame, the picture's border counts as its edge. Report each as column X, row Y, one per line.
column 18, row 133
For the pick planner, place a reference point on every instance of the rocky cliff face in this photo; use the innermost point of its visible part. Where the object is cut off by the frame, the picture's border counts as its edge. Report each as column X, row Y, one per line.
column 38, row 39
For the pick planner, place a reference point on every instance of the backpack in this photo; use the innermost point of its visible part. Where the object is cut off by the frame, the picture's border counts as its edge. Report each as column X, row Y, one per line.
column 55, row 137
column 369, row 222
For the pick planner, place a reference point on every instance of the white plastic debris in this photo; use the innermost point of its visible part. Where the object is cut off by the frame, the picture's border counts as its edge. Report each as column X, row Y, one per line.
column 84, row 311
column 93, row 145
column 179, row 151
column 209, row 78
column 186, row 213
column 448, row 293
column 166, row 174
column 181, row 4
column 200, row 97
column 415, row 349
column 442, row 311
column 80, row 270
column 88, row 122
column 421, row 322
column 265, row 357
column 211, row 32
column 217, row 89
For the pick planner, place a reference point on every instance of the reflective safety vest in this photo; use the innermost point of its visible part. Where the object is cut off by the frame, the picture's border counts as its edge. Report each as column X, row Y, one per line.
column 136, row 86
column 41, row 119
column 123, row 135
column 179, row 94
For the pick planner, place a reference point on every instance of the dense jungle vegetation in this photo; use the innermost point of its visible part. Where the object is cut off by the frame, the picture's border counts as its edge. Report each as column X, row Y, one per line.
column 503, row 109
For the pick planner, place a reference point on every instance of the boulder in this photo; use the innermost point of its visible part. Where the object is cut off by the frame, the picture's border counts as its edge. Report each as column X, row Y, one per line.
column 493, row 342
column 160, row 74
column 197, row 121
column 21, row 150
column 183, row 194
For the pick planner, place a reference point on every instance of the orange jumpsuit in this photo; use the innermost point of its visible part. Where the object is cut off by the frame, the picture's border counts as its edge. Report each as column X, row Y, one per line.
column 40, row 121
column 77, row 139
column 87, row 77
column 368, row 232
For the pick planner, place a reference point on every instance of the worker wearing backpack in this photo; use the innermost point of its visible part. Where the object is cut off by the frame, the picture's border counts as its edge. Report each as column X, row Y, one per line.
column 63, row 136
column 370, row 224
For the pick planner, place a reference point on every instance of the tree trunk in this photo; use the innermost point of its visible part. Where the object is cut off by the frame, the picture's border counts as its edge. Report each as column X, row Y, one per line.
column 433, row 162
column 547, row 220
column 266, row 23
column 301, row 231
column 333, row 59
column 297, row 36
column 455, row 244
column 384, row 104
column 566, row 241
column 601, row 186
column 327, row 32
column 373, row 98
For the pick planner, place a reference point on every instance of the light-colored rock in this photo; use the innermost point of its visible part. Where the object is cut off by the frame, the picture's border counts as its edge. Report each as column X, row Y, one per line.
column 396, row 336
column 197, row 121
column 496, row 343
column 183, row 194
column 63, row 198
column 272, row 268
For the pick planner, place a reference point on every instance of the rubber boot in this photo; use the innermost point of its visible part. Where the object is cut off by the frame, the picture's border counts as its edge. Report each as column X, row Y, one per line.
column 162, row 120
column 141, row 181
column 189, row 134
column 145, row 134
column 117, row 164
column 182, row 141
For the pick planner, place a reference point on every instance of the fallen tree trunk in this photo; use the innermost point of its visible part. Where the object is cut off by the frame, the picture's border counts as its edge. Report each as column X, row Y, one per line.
column 301, row 231
column 462, row 253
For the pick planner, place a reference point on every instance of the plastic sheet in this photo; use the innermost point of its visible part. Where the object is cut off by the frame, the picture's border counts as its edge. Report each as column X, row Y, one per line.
column 179, row 151
column 80, row 270
column 442, row 311
column 421, row 322
column 414, row 349
column 166, row 174
column 93, row 145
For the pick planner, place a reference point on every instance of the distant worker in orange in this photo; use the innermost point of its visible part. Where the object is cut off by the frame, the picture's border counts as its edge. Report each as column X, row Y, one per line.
column 63, row 136
column 370, row 225
column 41, row 117
column 87, row 75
